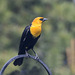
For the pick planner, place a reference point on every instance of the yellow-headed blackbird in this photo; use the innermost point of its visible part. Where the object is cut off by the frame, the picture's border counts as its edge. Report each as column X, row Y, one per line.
column 29, row 38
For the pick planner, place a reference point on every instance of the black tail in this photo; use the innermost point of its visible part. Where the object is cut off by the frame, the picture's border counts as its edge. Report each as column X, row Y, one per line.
column 19, row 61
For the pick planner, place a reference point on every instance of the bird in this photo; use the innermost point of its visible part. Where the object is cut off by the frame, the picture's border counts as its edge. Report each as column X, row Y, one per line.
column 29, row 38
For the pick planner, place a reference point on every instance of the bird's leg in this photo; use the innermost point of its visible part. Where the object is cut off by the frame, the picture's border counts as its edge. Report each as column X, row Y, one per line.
column 26, row 53
column 36, row 57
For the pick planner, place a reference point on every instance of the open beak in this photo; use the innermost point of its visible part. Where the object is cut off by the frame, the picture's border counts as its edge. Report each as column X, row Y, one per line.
column 45, row 19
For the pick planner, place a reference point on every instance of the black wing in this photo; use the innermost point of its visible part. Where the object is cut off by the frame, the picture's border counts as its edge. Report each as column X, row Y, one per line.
column 21, row 46
column 24, row 35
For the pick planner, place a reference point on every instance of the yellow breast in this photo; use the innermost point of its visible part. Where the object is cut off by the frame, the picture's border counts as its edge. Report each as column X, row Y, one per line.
column 35, row 30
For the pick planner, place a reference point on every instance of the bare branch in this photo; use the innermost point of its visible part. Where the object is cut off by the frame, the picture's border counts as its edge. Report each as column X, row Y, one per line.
column 29, row 56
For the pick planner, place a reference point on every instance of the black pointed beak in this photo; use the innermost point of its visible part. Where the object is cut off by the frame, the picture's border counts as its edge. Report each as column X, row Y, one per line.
column 45, row 19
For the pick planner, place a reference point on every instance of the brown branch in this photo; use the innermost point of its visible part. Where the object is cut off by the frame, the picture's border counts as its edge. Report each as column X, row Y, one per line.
column 29, row 56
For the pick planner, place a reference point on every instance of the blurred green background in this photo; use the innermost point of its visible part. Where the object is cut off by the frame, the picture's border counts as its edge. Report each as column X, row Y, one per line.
column 56, row 36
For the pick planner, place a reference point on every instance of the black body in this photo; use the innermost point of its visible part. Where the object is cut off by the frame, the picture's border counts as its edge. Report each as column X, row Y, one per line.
column 27, row 42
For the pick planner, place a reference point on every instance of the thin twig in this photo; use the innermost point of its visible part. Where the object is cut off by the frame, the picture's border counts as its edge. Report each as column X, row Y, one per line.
column 29, row 56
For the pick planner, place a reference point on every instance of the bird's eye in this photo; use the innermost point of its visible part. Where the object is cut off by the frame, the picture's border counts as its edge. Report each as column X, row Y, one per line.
column 41, row 19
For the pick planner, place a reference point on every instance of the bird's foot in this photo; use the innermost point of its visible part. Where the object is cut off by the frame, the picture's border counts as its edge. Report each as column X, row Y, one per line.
column 36, row 57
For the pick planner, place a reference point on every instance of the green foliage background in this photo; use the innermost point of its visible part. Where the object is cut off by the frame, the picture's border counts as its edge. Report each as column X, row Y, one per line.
column 57, row 32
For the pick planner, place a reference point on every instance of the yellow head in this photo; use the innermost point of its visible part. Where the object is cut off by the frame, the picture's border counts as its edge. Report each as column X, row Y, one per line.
column 38, row 20
column 35, row 28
